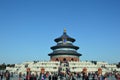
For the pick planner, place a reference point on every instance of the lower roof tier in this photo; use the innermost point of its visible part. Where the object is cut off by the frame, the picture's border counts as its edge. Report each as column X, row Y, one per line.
column 62, row 52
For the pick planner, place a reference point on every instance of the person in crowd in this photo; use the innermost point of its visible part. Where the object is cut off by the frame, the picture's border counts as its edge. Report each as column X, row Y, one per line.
column 42, row 76
column 20, row 76
column 28, row 76
column 54, row 77
column 1, row 75
column 33, row 77
column 7, row 75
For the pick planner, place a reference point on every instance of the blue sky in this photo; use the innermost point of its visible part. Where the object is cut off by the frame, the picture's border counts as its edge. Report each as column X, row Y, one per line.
column 28, row 28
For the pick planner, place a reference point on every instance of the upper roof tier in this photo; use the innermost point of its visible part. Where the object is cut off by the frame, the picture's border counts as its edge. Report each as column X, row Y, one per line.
column 64, row 36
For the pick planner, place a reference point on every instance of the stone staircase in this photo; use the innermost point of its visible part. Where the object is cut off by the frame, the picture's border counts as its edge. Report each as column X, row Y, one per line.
column 64, row 67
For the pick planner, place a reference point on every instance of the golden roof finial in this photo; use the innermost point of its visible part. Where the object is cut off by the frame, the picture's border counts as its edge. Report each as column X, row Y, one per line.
column 64, row 30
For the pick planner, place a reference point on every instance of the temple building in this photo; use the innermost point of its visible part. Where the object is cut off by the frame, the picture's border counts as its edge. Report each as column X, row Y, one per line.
column 64, row 58
column 64, row 50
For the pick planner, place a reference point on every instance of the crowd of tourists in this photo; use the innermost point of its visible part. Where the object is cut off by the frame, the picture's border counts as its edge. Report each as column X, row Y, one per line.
column 60, row 76
column 5, row 75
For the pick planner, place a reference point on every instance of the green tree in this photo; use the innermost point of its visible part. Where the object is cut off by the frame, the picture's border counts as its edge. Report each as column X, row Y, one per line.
column 3, row 66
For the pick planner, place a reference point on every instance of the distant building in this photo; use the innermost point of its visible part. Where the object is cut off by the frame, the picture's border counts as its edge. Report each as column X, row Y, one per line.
column 64, row 50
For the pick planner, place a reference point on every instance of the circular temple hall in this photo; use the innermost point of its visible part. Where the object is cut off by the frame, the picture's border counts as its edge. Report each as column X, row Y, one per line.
column 64, row 50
